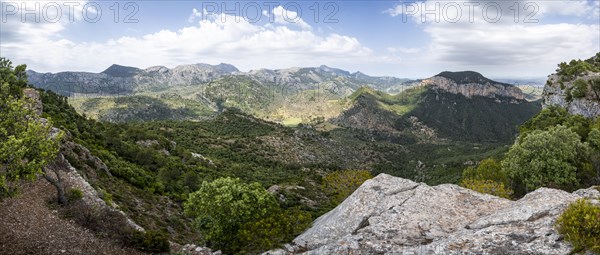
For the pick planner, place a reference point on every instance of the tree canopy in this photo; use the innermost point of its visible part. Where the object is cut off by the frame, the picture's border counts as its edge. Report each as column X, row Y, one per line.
column 26, row 144
column 546, row 158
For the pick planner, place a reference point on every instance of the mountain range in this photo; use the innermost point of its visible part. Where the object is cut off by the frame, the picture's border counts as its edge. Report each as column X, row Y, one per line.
column 124, row 80
column 463, row 106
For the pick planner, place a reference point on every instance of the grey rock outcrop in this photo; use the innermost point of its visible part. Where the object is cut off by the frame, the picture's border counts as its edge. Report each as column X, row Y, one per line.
column 555, row 93
column 36, row 104
column 391, row 215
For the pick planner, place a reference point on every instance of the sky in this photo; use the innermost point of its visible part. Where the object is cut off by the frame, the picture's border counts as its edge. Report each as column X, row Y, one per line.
column 409, row 39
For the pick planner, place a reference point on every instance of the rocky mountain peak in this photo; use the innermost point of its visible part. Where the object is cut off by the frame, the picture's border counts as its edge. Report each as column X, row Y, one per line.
column 121, row 71
column 469, row 84
column 466, row 77
column 391, row 215
column 335, row 71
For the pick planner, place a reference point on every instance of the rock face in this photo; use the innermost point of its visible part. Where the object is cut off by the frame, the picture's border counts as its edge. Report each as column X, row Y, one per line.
column 472, row 84
column 555, row 93
column 390, row 215
column 34, row 95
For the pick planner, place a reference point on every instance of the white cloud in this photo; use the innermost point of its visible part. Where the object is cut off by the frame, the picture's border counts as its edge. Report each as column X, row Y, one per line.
column 195, row 14
column 286, row 17
column 503, row 46
column 244, row 44
column 403, row 50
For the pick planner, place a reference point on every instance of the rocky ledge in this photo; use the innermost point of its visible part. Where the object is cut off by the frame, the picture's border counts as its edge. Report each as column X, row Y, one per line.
column 391, row 215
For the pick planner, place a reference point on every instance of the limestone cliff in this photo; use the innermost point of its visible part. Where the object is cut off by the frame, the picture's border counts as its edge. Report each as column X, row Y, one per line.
column 575, row 86
column 557, row 90
column 471, row 84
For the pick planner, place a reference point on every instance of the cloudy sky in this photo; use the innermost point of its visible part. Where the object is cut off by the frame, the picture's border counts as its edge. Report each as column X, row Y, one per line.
column 501, row 39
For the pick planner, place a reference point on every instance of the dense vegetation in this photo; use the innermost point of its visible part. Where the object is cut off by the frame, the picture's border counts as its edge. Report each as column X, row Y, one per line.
column 555, row 149
column 576, row 68
column 26, row 142
column 238, row 217
column 478, row 119
column 141, row 108
column 488, row 177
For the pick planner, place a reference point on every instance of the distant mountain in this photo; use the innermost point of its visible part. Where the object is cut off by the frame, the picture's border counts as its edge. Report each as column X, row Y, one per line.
column 469, row 84
column 447, row 106
column 283, row 95
column 123, row 80
column 467, row 77
column 121, row 71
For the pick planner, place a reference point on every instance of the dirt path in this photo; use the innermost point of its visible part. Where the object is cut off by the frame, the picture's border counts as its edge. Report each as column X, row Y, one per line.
column 28, row 226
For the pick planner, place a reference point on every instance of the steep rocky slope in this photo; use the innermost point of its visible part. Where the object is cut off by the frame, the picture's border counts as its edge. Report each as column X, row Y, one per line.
column 470, row 84
column 576, row 87
column 463, row 106
column 557, row 94
column 391, row 215
column 29, row 226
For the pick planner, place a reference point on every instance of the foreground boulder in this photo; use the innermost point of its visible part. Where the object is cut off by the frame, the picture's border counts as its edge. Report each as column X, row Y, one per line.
column 391, row 215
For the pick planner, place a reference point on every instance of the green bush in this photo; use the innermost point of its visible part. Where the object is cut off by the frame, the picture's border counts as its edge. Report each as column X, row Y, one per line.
column 594, row 139
column 340, row 184
column 151, row 241
column 577, row 67
column 270, row 232
column 488, row 169
column 580, row 88
column 580, row 225
column 569, row 95
column 488, row 187
column 595, row 85
column 74, row 194
column 223, row 207
column 546, row 158
column 488, row 178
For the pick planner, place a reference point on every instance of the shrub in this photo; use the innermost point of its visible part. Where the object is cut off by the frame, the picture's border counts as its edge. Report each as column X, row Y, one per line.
column 221, row 208
column 151, row 241
column 340, row 184
column 595, row 85
column 594, row 139
column 74, row 194
column 269, row 232
column 488, row 187
column 546, row 158
column 580, row 88
column 488, row 169
column 569, row 95
column 488, row 178
column 580, row 225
